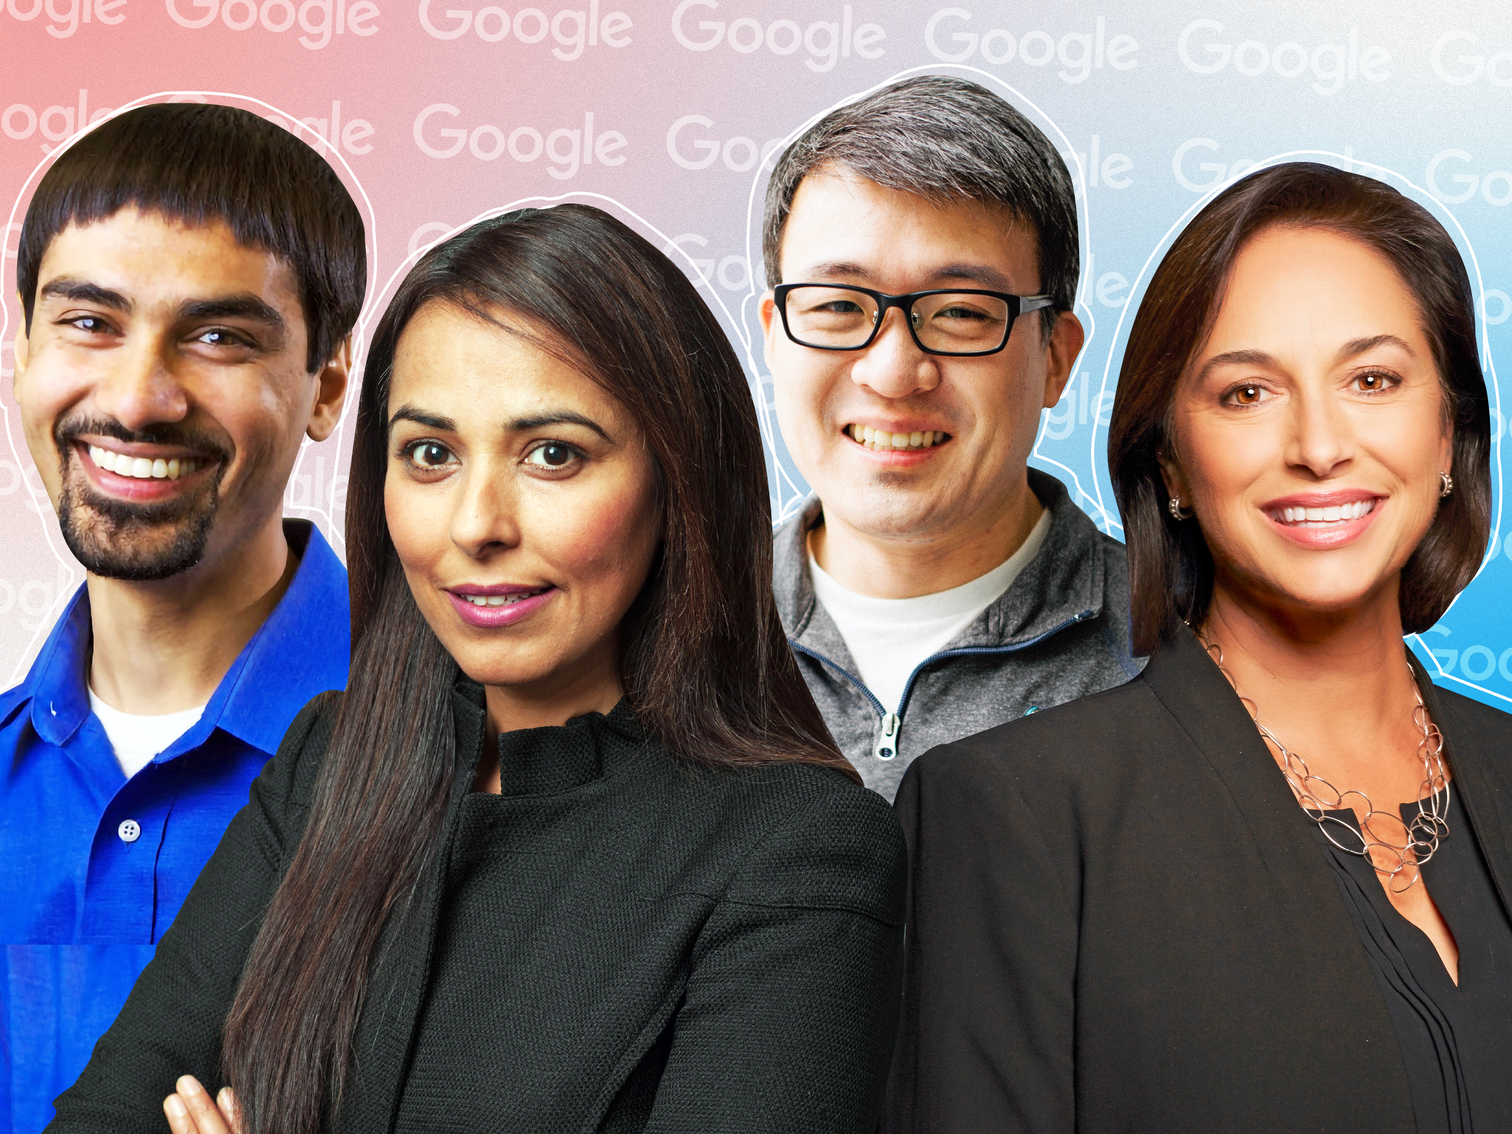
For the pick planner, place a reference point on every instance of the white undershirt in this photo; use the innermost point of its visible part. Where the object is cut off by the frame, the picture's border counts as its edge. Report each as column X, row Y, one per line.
column 135, row 738
column 888, row 638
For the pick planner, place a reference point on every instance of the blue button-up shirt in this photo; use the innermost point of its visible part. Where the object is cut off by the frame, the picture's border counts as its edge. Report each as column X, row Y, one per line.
column 93, row 866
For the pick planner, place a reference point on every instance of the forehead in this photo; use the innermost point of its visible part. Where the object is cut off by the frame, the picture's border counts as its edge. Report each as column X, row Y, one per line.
column 1318, row 282
column 152, row 259
column 840, row 217
column 455, row 362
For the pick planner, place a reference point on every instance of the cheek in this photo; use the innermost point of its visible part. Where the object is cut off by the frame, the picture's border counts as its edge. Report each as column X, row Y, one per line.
column 801, row 390
column 412, row 526
column 600, row 543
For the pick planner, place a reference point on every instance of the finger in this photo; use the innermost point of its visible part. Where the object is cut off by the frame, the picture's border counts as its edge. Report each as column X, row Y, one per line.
column 201, row 1107
column 226, row 1101
column 178, row 1116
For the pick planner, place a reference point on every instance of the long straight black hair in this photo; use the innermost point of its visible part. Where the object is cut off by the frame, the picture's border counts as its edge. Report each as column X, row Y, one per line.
column 705, row 664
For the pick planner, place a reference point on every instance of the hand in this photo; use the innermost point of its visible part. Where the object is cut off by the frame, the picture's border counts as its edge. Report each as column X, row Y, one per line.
column 191, row 1110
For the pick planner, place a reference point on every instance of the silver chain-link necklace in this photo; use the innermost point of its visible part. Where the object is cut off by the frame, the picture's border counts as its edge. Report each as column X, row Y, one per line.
column 1420, row 837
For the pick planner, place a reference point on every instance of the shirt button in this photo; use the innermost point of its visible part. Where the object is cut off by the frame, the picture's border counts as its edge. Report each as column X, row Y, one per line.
column 129, row 830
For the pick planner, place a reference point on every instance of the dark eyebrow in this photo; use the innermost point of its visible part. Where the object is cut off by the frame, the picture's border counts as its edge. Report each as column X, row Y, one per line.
column 1235, row 358
column 987, row 277
column 556, row 417
column 82, row 291
column 979, row 274
column 407, row 412
column 245, row 306
column 1351, row 349
column 1356, row 347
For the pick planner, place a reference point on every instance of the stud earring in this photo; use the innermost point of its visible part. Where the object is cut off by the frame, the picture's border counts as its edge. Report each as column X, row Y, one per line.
column 1174, row 507
column 1447, row 485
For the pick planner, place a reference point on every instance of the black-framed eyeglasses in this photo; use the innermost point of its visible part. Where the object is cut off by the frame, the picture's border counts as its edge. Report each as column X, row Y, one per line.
column 959, row 321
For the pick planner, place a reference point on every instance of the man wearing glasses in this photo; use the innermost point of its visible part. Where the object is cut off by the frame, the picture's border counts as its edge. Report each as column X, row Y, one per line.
column 921, row 248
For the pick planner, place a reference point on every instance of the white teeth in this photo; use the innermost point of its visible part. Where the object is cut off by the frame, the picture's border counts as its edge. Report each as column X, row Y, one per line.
column 1332, row 514
column 881, row 439
column 498, row 600
column 140, row 468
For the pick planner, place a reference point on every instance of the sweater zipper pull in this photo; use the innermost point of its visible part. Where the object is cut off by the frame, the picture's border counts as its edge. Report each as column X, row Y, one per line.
column 887, row 743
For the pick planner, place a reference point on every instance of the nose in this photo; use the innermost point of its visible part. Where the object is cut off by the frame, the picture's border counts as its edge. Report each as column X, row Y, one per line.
column 893, row 366
column 484, row 517
column 139, row 389
column 1320, row 439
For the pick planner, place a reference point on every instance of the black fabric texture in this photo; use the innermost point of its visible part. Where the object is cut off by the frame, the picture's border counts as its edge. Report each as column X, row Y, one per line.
column 1120, row 921
column 619, row 941
column 1456, row 1040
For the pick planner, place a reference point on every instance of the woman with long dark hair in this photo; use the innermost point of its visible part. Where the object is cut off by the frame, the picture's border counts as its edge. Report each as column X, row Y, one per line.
column 1264, row 886
column 574, row 850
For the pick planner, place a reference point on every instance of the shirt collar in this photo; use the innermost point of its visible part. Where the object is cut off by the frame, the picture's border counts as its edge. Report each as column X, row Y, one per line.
column 60, row 703
column 1064, row 581
column 301, row 649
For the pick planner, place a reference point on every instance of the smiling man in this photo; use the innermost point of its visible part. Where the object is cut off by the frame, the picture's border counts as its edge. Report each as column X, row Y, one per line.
column 189, row 276
column 921, row 247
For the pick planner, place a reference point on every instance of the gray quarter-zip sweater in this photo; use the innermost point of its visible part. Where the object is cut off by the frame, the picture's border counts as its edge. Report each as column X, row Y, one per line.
column 1060, row 632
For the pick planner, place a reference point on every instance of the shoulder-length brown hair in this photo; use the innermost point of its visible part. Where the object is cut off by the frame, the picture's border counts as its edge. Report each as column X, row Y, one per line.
column 705, row 665
column 1170, row 567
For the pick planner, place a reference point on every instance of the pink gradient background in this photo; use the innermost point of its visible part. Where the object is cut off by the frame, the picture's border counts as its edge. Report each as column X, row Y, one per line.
column 1148, row 131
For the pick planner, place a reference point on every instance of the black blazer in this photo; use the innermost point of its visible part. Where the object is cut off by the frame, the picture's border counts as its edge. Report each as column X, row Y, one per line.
column 616, row 942
column 1121, row 920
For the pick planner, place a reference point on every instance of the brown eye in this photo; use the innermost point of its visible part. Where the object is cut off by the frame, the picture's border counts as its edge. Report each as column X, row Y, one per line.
column 551, row 455
column 1247, row 395
column 429, row 454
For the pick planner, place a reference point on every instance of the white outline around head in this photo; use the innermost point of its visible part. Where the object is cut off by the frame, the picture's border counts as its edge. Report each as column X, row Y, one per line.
column 68, row 566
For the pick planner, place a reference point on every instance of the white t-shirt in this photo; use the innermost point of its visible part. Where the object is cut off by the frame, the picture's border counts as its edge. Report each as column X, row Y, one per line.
column 135, row 738
column 888, row 638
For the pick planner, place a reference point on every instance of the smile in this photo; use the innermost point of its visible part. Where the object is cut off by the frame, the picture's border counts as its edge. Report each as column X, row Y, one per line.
column 498, row 604
column 881, row 439
column 501, row 600
column 1332, row 514
column 142, row 468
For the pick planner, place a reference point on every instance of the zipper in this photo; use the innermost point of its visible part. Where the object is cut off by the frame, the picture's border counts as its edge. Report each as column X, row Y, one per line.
column 891, row 724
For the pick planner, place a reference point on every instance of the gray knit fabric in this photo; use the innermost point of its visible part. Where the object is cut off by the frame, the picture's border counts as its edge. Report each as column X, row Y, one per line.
column 1060, row 632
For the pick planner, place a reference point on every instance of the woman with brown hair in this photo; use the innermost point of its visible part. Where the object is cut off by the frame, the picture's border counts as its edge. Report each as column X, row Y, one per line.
column 1264, row 886
column 573, row 851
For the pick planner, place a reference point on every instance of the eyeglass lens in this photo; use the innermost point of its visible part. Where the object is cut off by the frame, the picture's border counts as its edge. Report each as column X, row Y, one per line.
column 950, row 322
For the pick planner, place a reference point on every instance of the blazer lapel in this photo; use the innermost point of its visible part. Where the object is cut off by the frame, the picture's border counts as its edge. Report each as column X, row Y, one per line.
column 1205, row 705
column 1309, row 910
column 1476, row 748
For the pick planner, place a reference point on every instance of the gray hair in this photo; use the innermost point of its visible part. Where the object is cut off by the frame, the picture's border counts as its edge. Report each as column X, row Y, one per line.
column 946, row 140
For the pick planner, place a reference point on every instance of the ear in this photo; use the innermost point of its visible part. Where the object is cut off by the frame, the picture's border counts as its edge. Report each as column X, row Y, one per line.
column 766, row 311
column 22, row 352
column 1175, row 480
column 1066, row 339
column 329, row 393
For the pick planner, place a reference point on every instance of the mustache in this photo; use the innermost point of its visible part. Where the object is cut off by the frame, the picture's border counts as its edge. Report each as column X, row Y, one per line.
column 199, row 441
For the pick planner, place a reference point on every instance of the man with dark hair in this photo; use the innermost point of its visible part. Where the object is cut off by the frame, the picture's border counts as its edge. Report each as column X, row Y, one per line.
column 935, row 585
column 190, row 275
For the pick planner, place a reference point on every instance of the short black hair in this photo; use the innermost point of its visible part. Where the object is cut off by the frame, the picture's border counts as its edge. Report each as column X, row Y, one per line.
column 1170, row 566
column 201, row 163
column 946, row 140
